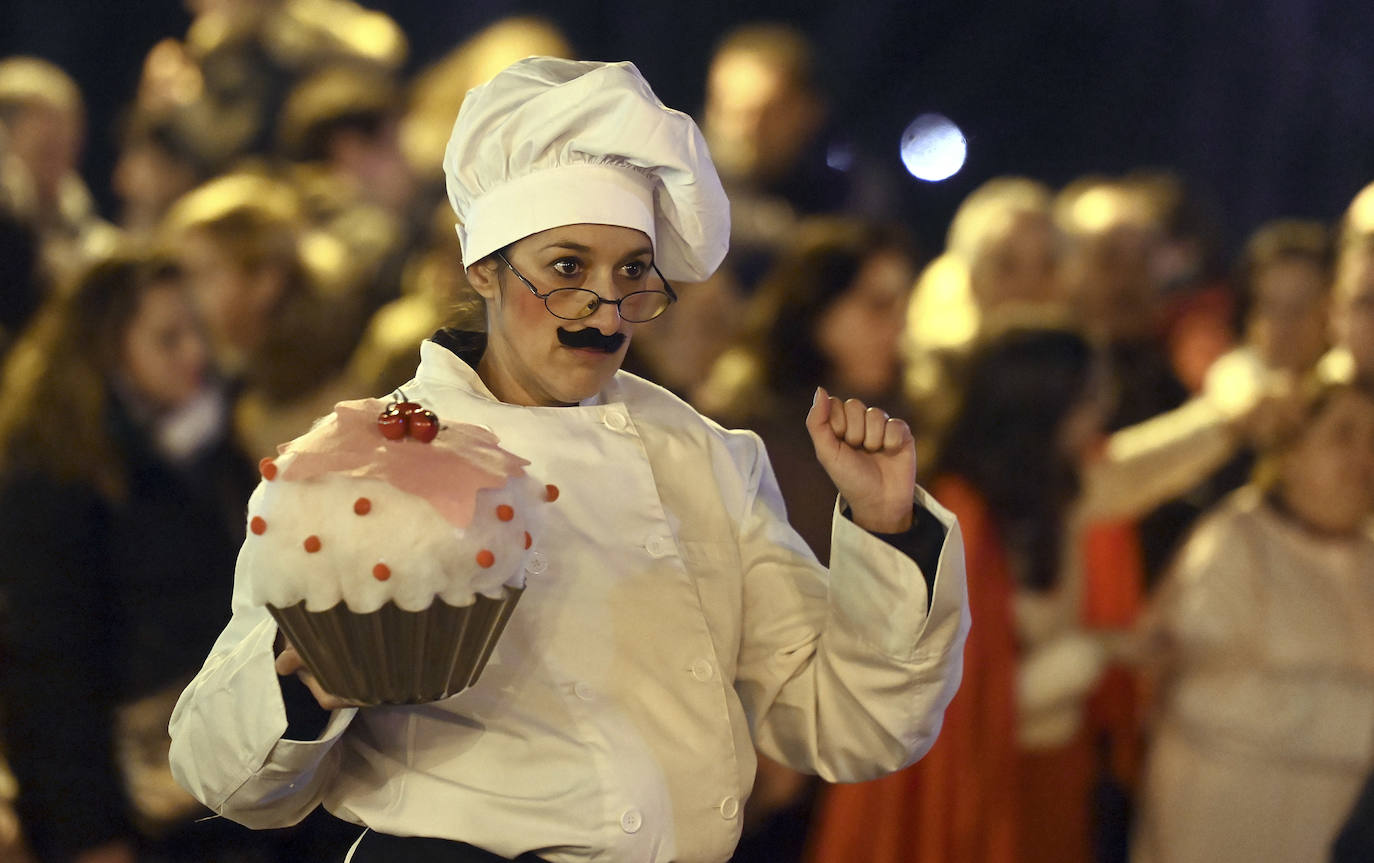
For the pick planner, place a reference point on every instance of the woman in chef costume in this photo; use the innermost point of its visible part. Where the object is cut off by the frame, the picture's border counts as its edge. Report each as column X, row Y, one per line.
column 668, row 628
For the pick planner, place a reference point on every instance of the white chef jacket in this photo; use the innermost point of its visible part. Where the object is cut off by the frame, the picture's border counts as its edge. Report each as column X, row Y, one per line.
column 672, row 621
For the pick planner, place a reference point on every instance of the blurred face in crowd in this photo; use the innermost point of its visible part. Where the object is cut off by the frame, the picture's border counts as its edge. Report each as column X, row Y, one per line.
column 1108, row 277
column 758, row 120
column 1018, row 264
column 1327, row 478
column 164, row 352
column 147, row 180
column 235, row 302
column 47, row 141
column 535, row 358
column 1287, row 325
column 1352, row 314
column 377, row 165
column 860, row 333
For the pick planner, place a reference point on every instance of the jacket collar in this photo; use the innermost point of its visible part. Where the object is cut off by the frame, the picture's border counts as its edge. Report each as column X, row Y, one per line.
column 467, row 345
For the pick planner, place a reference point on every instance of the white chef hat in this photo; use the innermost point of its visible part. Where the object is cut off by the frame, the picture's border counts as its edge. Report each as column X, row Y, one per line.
column 551, row 142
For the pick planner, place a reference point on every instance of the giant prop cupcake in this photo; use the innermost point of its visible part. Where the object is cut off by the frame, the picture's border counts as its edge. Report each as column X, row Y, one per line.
column 391, row 549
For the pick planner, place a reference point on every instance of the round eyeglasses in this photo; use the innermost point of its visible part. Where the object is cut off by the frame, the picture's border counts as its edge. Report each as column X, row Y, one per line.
column 574, row 304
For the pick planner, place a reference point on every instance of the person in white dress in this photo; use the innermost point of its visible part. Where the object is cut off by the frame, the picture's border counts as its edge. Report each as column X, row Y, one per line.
column 1264, row 639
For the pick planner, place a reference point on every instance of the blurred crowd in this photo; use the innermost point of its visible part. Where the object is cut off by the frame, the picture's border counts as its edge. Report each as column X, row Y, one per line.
column 1162, row 458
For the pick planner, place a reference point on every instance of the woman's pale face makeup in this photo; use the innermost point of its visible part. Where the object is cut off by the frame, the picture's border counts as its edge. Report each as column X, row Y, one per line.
column 165, row 353
column 1326, row 479
column 860, row 333
column 525, row 361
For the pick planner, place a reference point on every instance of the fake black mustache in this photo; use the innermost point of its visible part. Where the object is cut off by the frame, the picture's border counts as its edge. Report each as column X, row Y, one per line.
column 591, row 337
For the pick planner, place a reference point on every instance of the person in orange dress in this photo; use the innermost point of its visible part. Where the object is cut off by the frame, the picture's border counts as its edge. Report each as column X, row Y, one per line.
column 1008, row 469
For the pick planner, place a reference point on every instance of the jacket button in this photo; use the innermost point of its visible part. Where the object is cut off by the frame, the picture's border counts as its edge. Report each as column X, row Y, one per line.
column 536, row 564
column 631, row 821
column 729, row 808
column 616, row 421
column 702, row 670
column 658, row 546
column 584, row 691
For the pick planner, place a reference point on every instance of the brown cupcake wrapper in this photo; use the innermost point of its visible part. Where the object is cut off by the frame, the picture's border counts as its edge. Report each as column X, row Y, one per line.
column 393, row 656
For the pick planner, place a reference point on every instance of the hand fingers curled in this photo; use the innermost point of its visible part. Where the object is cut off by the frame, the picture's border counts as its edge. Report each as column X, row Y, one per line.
column 896, row 434
column 839, row 421
column 325, row 699
column 855, row 421
column 288, row 661
column 858, row 425
column 819, row 414
column 875, row 429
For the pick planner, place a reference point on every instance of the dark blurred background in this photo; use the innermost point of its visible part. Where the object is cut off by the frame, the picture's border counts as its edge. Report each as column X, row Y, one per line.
column 1265, row 107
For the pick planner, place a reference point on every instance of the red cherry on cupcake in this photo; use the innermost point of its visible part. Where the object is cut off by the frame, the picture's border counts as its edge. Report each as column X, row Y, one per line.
column 402, row 418
column 423, row 425
column 392, row 425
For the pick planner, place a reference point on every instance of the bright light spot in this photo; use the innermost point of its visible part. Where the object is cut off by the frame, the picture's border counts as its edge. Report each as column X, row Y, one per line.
column 933, row 148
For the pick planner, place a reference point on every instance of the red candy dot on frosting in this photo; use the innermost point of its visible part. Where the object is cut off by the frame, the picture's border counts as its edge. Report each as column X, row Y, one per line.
column 505, row 513
column 362, row 506
column 268, row 468
column 381, row 572
column 551, row 492
column 258, row 525
column 485, row 558
column 527, row 539
column 312, row 543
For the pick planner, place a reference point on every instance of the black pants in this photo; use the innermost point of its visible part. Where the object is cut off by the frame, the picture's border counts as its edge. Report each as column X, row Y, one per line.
column 384, row 848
